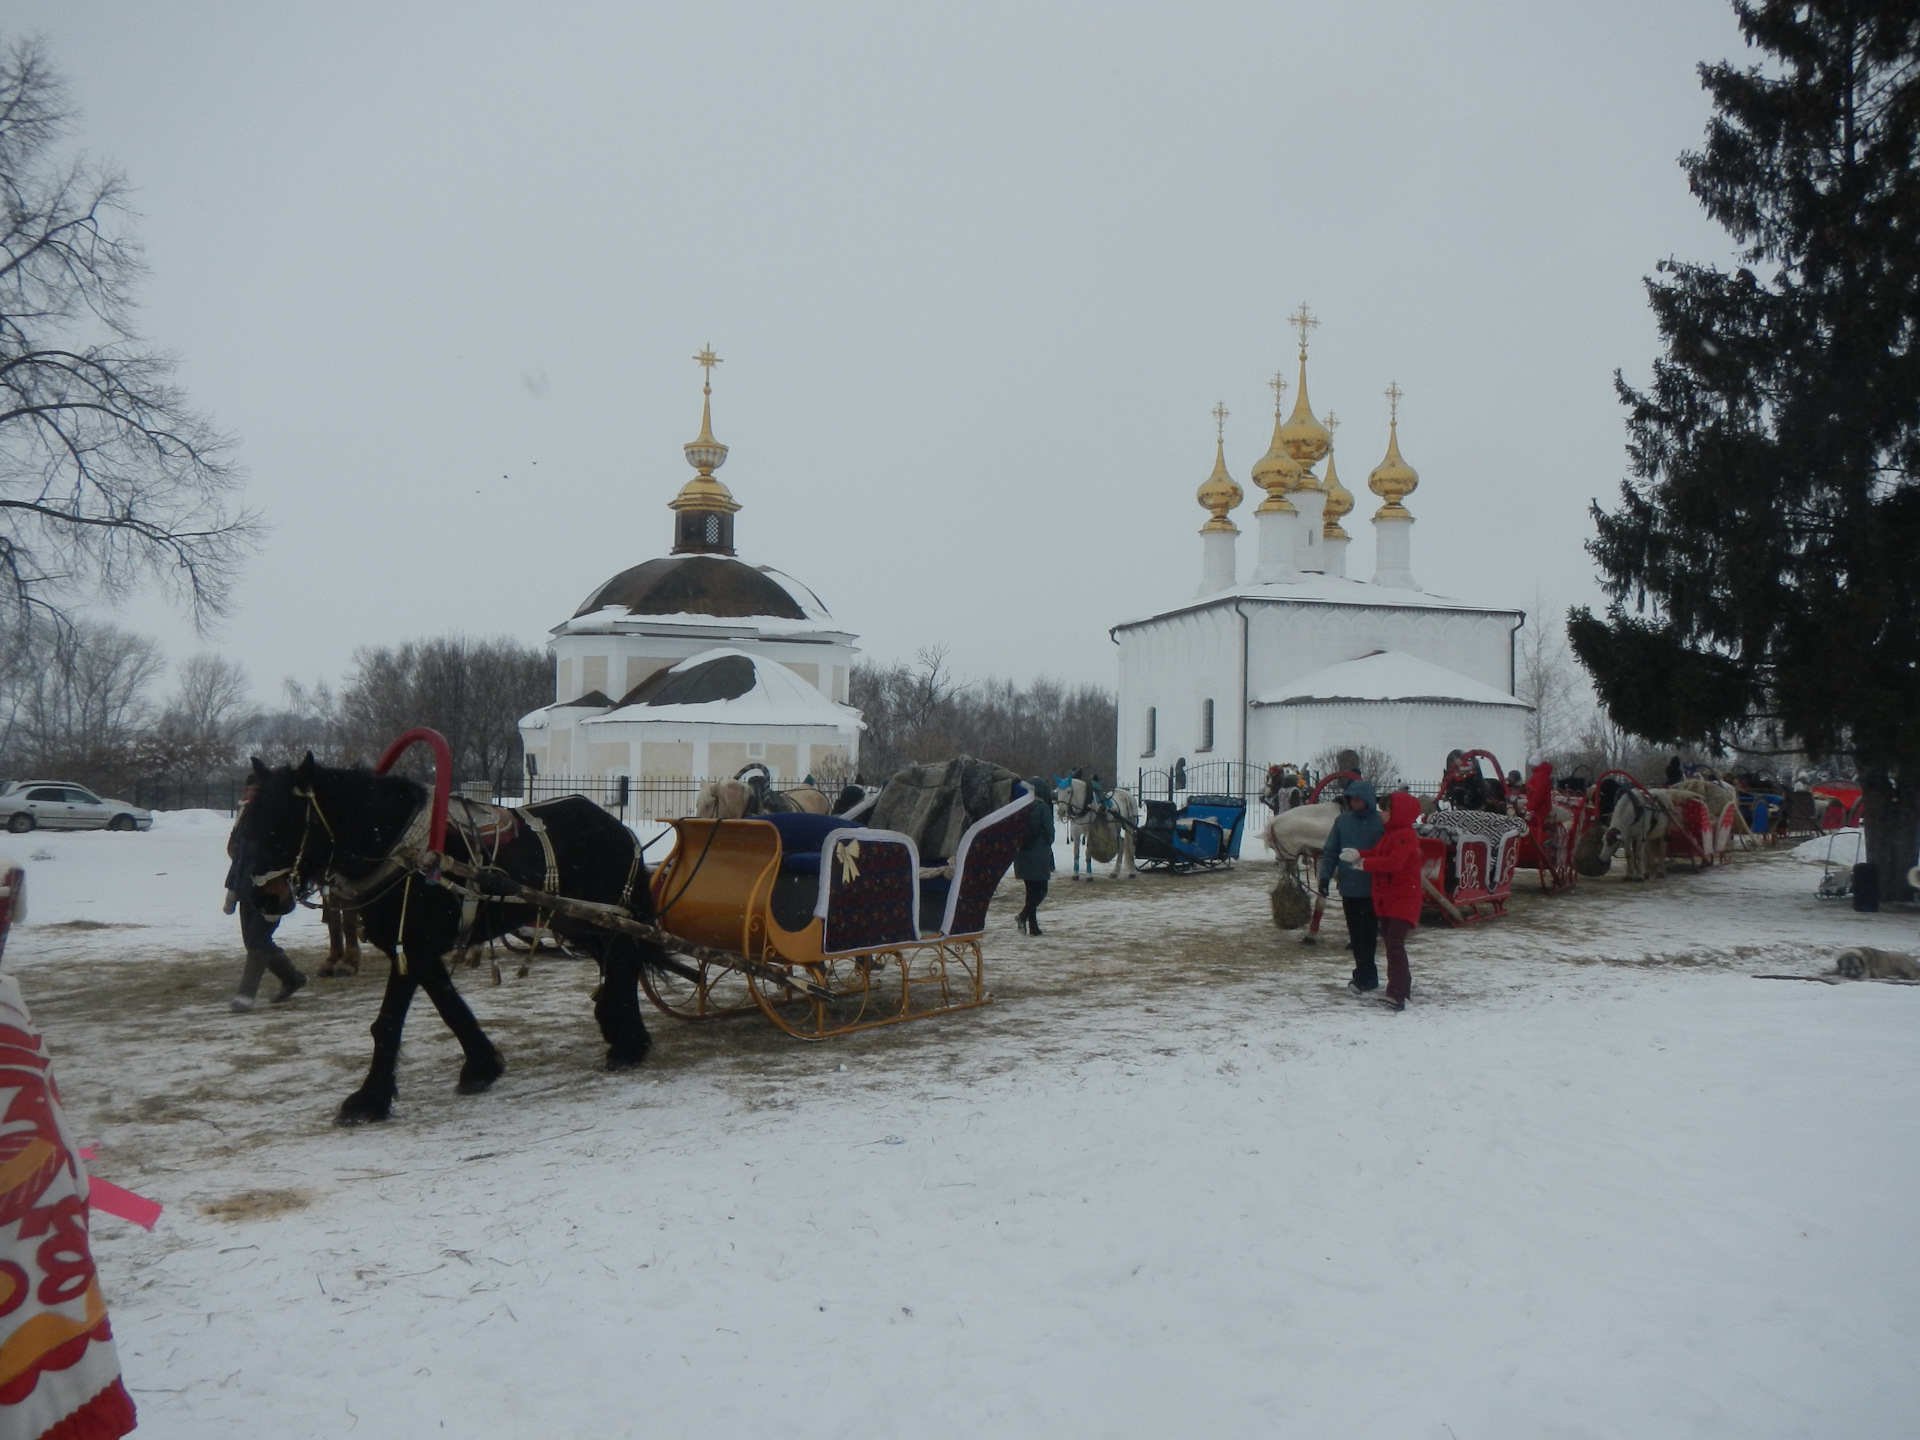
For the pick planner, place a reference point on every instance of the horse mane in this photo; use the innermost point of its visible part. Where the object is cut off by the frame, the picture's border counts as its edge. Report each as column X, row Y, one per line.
column 365, row 812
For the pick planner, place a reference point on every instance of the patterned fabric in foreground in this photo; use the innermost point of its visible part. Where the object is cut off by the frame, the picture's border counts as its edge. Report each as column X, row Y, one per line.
column 59, row 1374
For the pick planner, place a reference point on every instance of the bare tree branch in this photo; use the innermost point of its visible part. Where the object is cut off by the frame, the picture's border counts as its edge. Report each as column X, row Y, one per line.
column 107, row 476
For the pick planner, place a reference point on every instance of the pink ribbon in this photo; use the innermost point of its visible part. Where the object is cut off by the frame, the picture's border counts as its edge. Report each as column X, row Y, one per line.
column 110, row 1199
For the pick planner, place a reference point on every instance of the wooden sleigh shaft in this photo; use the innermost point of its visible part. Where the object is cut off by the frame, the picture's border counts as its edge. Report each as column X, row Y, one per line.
column 611, row 917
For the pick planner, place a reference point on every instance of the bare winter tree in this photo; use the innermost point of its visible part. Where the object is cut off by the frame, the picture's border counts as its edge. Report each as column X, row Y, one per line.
column 1376, row 765
column 76, row 703
column 921, row 712
column 1550, row 682
column 308, row 722
column 472, row 691
column 200, row 730
column 107, row 476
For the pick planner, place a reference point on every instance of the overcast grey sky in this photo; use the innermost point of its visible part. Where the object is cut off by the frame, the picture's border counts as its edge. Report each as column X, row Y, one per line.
column 978, row 272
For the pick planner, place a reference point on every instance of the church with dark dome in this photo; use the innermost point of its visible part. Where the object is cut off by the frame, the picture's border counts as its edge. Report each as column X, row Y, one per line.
column 697, row 663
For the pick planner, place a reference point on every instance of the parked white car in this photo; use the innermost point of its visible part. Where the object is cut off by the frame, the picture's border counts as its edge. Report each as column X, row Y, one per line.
column 61, row 805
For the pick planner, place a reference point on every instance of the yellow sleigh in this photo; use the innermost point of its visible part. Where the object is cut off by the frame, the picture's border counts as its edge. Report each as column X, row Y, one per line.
column 868, row 934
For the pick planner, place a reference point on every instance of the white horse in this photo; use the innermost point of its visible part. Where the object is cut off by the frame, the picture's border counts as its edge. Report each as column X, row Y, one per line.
column 1639, row 826
column 1296, row 837
column 1082, row 812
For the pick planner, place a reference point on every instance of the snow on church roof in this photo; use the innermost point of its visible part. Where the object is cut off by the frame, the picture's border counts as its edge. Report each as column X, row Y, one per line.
column 690, row 593
column 1387, row 675
column 725, row 686
column 1326, row 590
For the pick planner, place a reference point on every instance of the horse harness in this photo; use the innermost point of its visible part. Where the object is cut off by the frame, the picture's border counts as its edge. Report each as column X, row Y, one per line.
column 483, row 829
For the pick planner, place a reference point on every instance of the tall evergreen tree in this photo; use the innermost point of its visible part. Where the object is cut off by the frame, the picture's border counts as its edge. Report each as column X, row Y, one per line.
column 1763, row 565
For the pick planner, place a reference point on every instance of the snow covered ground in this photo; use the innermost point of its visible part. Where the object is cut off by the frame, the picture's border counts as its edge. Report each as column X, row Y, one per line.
column 1596, row 1181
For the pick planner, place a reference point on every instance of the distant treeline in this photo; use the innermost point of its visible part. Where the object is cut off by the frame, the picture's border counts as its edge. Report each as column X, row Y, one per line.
column 921, row 711
column 86, row 702
column 81, row 701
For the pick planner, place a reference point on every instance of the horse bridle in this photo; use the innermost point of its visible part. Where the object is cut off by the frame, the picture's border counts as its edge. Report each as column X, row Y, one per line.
column 266, row 878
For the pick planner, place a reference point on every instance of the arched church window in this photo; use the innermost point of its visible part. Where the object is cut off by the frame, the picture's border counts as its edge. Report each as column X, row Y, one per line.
column 1206, row 725
column 1153, row 731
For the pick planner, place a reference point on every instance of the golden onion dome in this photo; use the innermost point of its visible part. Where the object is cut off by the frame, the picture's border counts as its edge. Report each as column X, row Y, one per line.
column 705, row 454
column 1218, row 494
column 1304, row 437
column 1393, row 479
column 1276, row 472
column 1339, row 498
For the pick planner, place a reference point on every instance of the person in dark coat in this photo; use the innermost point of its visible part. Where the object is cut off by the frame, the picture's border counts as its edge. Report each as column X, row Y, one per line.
column 256, row 930
column 1394, row 867
column 1676, row 772
column 1033, row 861
column 1358, row 826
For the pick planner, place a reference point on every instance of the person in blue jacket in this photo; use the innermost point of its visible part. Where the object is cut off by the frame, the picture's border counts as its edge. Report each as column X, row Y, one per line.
column 1358, row 826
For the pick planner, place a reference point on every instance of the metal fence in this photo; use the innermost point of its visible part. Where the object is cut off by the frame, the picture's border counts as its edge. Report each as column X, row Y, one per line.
column 634, row 798
column 194, row 795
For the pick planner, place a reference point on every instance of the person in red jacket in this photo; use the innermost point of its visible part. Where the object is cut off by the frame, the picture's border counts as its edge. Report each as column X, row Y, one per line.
column 1394, row 865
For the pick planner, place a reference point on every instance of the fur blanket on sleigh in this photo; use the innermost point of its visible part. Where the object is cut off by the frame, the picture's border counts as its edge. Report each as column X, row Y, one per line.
column 936, row 803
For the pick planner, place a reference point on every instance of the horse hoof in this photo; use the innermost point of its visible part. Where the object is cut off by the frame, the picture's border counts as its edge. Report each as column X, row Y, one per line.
column 478, row 1076
column 626, row 1059
column 362, row 1109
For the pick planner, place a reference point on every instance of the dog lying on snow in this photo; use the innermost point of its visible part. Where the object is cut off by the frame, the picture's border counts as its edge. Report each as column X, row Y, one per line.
column 1863, row 962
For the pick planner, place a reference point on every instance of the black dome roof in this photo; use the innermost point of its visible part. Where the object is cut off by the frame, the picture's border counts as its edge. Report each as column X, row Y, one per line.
column 695, row 585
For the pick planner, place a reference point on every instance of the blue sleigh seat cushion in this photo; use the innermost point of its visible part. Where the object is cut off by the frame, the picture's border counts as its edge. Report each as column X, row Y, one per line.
column 801, row 837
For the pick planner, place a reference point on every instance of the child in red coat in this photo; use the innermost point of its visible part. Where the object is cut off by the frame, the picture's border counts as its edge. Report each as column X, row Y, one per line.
column 1394, row 865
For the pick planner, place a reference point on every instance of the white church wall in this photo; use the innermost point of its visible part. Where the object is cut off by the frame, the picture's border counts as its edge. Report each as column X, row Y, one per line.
column 668, row 759
column 1173, row 667
column 1169, row 665
column 1294, row 640
column 1417, row 736
column 610, row 758
column 704, row 751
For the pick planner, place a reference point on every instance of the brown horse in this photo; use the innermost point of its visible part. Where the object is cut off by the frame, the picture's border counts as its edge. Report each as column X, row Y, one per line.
column 343, row 939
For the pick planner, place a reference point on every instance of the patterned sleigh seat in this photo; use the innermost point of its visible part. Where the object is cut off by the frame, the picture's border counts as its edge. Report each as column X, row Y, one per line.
column 1479, row 851
column 858, row 883
column 868, row 895
column 980, row 862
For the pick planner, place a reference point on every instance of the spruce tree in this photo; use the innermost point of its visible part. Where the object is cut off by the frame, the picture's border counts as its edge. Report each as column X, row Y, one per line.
column 1763, row 565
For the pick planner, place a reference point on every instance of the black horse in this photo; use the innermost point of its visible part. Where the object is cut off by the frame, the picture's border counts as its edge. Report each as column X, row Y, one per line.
column 312, row 824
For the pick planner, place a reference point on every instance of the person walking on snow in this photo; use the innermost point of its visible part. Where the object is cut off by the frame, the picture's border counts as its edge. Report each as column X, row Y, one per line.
column 1033, row 861
column 1358, row 826
column 256, row 930
column 1394, row 868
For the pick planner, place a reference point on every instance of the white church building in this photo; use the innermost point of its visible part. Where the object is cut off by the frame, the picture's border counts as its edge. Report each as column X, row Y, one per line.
column 1300, row 658
column 696, row 663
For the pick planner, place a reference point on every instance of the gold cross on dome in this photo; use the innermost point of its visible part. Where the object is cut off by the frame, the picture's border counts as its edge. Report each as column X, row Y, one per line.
column 1220, row 413
column 1394, row 392
column 1278, row 384
column 1303, row 320
column 1332, row 422
column 706, row 359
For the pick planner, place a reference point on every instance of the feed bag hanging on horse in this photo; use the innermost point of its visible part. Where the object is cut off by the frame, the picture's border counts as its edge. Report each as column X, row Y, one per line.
column 1103, row 840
